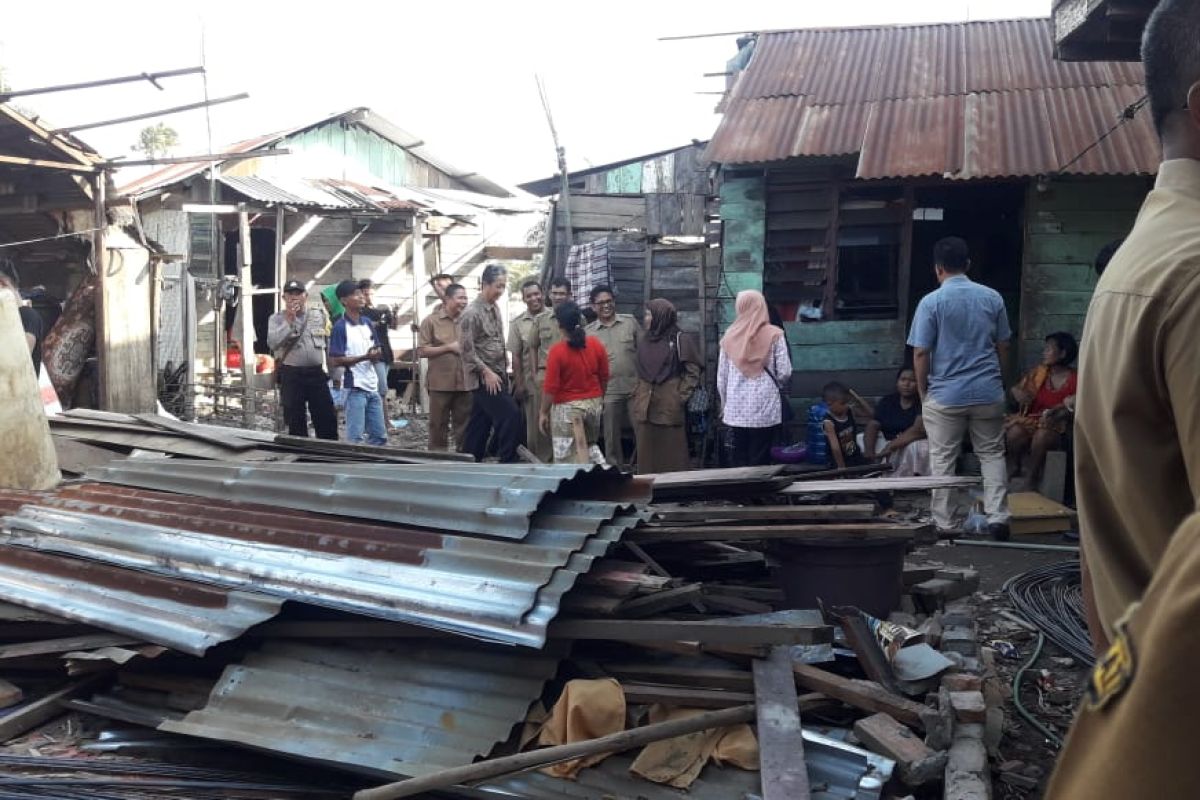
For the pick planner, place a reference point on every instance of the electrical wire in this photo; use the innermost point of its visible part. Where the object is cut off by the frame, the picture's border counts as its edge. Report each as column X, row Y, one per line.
column 1130, row 111
column 1051, row 598
column 1016, row 694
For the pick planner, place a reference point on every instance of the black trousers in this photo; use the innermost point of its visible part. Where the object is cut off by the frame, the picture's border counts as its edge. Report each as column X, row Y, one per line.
column 496, row 415
column 752, row 446
column 307, row 387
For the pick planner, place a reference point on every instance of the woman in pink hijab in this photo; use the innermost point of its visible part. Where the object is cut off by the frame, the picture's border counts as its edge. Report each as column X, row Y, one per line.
column 754, row 366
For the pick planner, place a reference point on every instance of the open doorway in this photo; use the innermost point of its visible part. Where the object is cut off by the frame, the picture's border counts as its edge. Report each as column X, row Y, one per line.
column 989, row 217
column 262, row 275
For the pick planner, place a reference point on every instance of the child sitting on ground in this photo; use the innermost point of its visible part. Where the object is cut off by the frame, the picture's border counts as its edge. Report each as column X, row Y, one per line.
column 840, row 428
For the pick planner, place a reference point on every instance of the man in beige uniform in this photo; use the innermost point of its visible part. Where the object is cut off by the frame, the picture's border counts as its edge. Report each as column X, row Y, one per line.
column 1137, row 427
column 619, row 335
column 523, row 344
column 449, row 400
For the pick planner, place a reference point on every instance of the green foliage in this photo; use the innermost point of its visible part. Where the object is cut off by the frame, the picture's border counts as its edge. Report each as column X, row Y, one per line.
column 156, row 141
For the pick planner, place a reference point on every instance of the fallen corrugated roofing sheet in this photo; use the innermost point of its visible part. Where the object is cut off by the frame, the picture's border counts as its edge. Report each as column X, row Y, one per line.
column 409, row 710
column 550, row 524
column 487, row 499
column 963, row 100
column 188, row 617
column 836, row 771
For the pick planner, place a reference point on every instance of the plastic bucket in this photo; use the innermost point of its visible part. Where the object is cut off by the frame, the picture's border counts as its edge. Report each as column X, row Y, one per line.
column 867, row 573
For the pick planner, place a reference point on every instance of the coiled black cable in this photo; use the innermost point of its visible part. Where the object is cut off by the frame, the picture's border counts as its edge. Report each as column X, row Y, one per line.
column 1051, row 598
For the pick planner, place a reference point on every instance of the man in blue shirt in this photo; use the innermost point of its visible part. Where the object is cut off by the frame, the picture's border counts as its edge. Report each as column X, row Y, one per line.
column 960, row 337
column 355, row 346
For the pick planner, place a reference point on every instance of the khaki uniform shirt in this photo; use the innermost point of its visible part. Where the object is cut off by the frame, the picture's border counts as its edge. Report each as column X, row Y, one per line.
column 445, row 373
column 482, row 337
column 522, row 345
column 620, row 340
column 547, row 334
column 1137, row 427
column 1134, row 736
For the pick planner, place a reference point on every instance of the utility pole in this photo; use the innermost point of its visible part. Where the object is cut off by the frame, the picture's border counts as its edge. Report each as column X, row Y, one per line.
column 564, row 192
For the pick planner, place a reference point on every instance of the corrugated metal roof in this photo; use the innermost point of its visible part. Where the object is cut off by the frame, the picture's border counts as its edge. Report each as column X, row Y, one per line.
column 185, row 616
column 411, row 710
column 302, row 192
column 491, row 500
column 963, row 100
column 361, row 116
column 836, row 771
column 492, row 562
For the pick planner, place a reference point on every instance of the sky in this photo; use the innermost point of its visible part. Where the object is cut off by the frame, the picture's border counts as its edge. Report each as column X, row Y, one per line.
column 460, row 75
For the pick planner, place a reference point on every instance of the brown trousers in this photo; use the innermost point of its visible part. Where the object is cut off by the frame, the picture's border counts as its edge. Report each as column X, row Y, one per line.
column 446, row 410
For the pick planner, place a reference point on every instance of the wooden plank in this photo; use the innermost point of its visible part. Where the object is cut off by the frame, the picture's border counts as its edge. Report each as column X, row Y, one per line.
column 716, row 631
column 844, row 331
column 729, row 679
column 46, row 164
column 838, row 357
column 855, row 511
column 607, row 205
column 863, row 695
column 734, row 533
column 889, row 738
column 780, row 737
column 675, row 278
column 45, row 708
column 230, row 441
column 693, row 697
column 78, row 457
column 658, row 602
column 855, row 485
column 63, row 645
column 613, row 743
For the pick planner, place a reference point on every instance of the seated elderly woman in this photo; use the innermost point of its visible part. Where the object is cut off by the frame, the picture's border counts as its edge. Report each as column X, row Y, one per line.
column 1046, row 399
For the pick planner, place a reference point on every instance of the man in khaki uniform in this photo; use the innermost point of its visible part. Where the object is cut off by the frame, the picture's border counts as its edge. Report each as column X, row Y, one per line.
column 523, row 337
column 449, row 400
column 619, row 335
column 1137, row 431
column 1134, row 735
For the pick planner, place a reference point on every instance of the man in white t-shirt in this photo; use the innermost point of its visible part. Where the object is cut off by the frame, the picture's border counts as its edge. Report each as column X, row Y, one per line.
column 355, row 346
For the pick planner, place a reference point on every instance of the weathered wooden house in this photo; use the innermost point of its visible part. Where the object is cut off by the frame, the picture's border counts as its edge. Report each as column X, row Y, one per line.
column 653, row 217
column 844, row 154
column 1100, row 30
column 56, row 232
column 354, row 197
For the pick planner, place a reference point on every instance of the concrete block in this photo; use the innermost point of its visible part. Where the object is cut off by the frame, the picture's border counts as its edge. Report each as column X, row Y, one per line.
column 968, row 706
column 918, row 764
column 939, row 728
column 993, row 730
column 966, row 786
column 967, row 755
column 962, row 682
column 970, row 730
column 960, row 639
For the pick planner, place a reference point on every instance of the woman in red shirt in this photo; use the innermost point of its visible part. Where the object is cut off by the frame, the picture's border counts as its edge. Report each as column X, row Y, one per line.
column 573, row 391
column 1046, row 397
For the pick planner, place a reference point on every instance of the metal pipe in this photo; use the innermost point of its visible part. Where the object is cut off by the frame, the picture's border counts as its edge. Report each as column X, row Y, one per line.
column 1055, row 548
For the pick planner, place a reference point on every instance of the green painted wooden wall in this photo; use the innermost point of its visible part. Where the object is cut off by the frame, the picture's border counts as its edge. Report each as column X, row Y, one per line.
column 1065, row 227
column 337, row 144
column 744, row 230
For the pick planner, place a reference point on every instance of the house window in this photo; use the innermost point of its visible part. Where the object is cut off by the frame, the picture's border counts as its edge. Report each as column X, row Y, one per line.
column 870, row 227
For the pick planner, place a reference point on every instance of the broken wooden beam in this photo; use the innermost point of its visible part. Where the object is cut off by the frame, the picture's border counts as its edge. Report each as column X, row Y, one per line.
column 918, row 764
column 732, row 533
column 864, row 695
column 708, row 514
column 780, row 737
column 871, row 485
column 658, row 602
column 534, row 759
column 725, row 631
column 683, row 696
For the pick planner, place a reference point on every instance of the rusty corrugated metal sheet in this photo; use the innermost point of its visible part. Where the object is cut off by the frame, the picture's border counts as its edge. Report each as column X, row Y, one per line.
column 409, row 710
column 493, row 562
column 964, row 100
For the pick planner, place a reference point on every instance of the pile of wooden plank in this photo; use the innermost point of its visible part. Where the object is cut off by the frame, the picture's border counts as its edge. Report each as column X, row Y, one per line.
column 85, row 438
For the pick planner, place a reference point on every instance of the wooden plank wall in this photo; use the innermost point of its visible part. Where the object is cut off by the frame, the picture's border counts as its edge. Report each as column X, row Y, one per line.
column 676, row 275
column 627, row 267
column 125, row 347
column 743, row 232
column 801, row 220
column 1065, row 228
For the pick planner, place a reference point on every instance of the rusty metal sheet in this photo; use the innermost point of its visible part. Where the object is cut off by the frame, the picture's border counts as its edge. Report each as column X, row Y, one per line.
column 185, row 616
column 488, row 499
column 961, row 100
column 381, row 711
